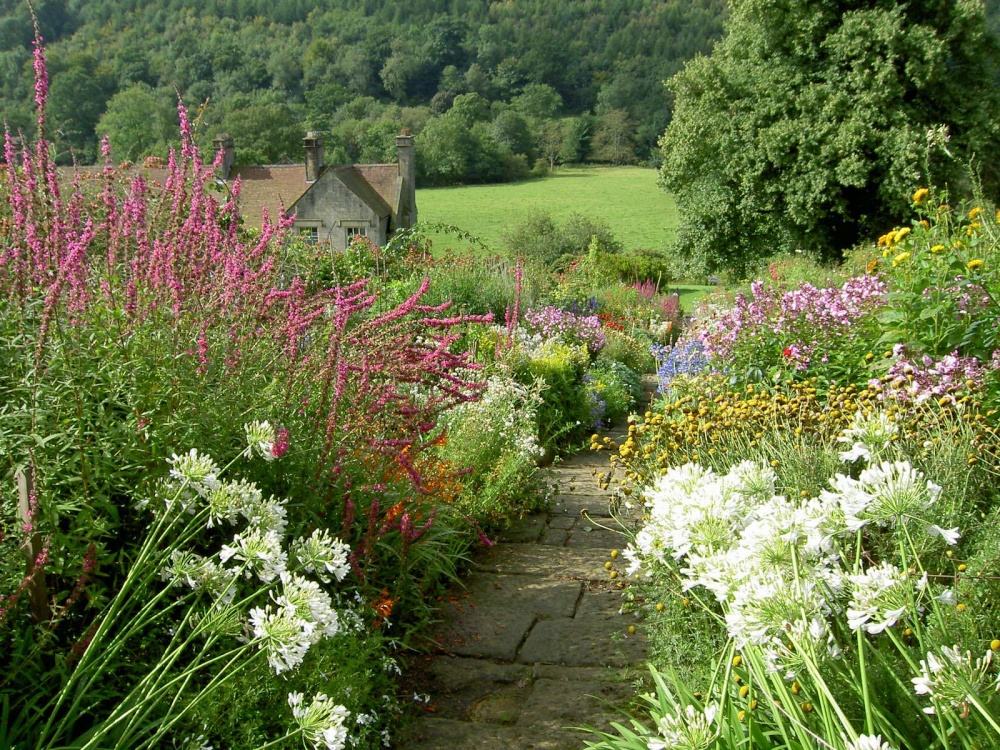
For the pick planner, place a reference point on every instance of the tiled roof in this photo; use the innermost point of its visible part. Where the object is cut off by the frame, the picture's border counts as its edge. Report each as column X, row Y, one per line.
column 354, row 179
column 272, row 187
column 277, row 187
column 384, row 178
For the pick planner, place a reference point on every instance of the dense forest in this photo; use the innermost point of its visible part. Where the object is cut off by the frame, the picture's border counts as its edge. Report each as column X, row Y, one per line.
column 496, row 87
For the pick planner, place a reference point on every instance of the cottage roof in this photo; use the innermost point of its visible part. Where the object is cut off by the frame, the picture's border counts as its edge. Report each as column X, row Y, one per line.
column 278, row 187
column 384, row 178
column 274, row 187
column 355, row 180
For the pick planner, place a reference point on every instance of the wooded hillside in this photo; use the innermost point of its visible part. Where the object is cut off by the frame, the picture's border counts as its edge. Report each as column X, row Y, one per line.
column 531, row 79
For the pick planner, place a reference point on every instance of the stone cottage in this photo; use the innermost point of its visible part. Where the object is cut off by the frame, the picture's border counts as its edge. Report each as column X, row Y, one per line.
column 331, row 203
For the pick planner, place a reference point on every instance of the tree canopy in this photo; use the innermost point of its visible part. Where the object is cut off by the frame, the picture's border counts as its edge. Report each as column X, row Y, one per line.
column 811, row 123
column 257, row 61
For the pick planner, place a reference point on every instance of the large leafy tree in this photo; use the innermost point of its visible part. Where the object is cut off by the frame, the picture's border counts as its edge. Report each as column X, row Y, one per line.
column 812, row 121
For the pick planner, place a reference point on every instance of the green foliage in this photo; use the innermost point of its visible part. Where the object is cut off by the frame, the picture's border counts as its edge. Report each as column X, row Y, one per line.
column 140, row 122
column 494, row 440
column 563, row 59
column 632, row 351
column 564, row 415
column 540, row 239
column 945, row 272
column 617, row 385
column 808, row 122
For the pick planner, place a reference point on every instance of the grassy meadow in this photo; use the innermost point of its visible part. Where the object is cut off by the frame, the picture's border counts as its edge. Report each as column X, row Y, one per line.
column 627, row 199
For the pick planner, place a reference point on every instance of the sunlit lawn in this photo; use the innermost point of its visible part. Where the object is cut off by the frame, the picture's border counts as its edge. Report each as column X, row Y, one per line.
column 627, row 199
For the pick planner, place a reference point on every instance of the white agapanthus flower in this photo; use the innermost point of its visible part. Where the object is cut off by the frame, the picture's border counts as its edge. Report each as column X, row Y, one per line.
column 285, row 636
column 268, row 515
column 195, row 471
column 889, row 493
column 856, row 451
column 321, row 722
column 868, row 435
column 322, row 555
column 953, row 680
column 201, row 574
column 867, row 742
column 765, row 607
column 950, row 536
column 753, row 480
column 880, row 596
column 261, row 437
column 260, row 550
column 690, row 729
column 307, row 600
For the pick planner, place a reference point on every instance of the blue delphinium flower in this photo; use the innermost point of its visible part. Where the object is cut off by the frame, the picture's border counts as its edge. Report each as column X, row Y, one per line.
column 686, row 357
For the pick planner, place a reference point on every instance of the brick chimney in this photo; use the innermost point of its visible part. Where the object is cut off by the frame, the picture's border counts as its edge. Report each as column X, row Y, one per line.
column 408, row 173
column 314, row 155
column 224, row 143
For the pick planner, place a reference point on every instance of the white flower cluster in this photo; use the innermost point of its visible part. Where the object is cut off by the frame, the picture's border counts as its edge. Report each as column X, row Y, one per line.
column 301, row 616
column 505, row 413
column 193, row 475
column 321, row 722
column 773, row 562
column 201, row 574
column 868, row 436
column 261, row 437
column 322, row 555
column 954, row 680
column 888, row 494
column 690, row 729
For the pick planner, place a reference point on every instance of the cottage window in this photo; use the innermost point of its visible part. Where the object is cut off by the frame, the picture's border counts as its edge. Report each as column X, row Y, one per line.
column 309, row 234
column 353, row 232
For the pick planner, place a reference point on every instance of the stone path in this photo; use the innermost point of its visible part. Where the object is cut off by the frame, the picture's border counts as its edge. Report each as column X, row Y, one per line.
column 534, row 645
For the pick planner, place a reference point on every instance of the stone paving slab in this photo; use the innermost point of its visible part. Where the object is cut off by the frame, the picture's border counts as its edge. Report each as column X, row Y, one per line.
column 555, row 537
column 485, row 632
column 582, row 642
column 574, row 505
column 562, row 522
column 590, row 536
column 431, row 733
column 560, row 704
column 527, row 529
column 540, row 596
column 541, row 560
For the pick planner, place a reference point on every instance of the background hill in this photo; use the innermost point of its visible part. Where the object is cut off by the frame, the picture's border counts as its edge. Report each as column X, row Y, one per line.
column 530, row 79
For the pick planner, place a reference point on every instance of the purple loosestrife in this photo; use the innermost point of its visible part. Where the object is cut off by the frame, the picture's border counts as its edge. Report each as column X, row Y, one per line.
column 133, row 252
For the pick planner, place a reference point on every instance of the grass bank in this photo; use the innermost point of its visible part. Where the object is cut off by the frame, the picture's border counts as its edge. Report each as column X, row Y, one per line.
column 627, row 199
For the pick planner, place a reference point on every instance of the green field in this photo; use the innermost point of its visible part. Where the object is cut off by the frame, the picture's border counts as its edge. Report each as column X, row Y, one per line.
column 627, row 199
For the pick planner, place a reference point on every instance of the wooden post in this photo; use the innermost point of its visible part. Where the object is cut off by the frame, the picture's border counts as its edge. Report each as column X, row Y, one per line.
column 37, row 592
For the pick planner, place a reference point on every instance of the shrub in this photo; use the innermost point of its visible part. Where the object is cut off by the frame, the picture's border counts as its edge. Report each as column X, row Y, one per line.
column 494, row 442
column 565, row 412
column 616, row 387
column 632, row 351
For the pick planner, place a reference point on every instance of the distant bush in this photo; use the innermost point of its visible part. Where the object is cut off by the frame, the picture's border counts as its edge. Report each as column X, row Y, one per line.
column 540, row 239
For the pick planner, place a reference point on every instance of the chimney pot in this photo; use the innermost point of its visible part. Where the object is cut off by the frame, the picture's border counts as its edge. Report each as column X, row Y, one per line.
column 314, row 155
